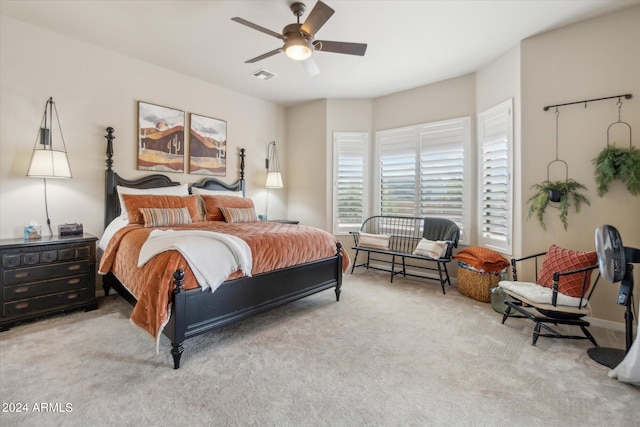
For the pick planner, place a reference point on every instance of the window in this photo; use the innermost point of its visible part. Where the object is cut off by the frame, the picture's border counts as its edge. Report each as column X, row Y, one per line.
column 495, row 141
column 422, row 171
column 350, row 201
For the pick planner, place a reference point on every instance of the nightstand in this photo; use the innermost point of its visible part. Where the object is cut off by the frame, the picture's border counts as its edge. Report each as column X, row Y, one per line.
column 46, row 276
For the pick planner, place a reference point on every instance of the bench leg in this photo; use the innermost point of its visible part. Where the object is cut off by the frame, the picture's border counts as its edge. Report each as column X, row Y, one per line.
column 393, row 266
column 355, row 259
column 442, row 280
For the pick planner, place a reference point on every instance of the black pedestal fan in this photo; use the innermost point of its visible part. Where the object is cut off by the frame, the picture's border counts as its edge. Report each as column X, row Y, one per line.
column 616, row 265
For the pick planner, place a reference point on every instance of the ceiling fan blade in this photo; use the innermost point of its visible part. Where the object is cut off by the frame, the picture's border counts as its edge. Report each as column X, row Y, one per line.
column 341, row 47
column 257, row 27
column 310, row 66
column 264, row 56
column 318, row 16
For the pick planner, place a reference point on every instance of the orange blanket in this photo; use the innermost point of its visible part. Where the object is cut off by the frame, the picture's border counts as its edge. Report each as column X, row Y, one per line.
column 273, row 246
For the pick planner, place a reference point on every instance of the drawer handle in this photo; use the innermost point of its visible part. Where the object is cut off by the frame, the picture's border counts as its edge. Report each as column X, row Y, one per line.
column 74, row 281
column 22, row 275
column 21, row 289
column 22, row 305
column 72, row 296
column 75, row 267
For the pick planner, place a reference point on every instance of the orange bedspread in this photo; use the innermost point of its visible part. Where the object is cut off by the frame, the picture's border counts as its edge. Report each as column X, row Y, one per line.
column 273, row 246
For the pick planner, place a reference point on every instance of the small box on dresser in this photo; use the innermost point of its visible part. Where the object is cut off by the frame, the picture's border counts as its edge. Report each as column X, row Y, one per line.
column 47, row 276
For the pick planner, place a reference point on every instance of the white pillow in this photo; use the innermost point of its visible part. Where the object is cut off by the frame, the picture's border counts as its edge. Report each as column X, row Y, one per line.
column 376, row 241
column 176, row 190
column 430, row 248
column 205, row 192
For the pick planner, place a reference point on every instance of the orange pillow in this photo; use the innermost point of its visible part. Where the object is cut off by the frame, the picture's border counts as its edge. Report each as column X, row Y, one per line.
column 561, row 260
column 212, row 205
column 134, row 202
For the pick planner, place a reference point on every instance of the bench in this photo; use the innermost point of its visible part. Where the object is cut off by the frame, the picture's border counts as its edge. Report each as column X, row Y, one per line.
column 426, row 239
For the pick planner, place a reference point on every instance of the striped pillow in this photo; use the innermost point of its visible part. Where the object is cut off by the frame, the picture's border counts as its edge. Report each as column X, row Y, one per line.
column 165, row 217
column 375, row 241
column 239, row 214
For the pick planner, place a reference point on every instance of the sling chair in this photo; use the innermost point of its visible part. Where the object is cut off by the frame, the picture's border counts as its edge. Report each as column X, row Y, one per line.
column 560, row 296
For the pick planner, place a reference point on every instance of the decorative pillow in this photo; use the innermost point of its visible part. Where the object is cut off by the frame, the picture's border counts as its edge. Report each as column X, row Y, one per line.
column 159, row 217
column 176, row 190
column 430, row 248
column 134, row 203
column 375, row 241
column 239, row 214
column 205, row 192
column 561, row 260
column 212, row 205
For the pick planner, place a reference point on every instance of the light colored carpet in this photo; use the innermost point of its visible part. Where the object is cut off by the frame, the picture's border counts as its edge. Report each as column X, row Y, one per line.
column 398, row 354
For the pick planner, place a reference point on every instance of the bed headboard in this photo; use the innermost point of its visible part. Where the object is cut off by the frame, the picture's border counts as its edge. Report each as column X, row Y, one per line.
column 112, row 180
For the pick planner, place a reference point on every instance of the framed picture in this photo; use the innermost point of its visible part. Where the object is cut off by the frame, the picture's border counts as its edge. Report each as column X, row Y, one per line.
column 207, row 146
column 160, row 138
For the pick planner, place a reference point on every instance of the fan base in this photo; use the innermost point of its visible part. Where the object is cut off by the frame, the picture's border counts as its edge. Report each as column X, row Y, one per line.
column 609, row 357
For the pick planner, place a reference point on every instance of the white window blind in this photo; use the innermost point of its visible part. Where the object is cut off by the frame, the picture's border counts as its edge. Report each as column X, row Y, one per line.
column 398, row 183
column 350, row 199
column 422, row 171
column 495, row 137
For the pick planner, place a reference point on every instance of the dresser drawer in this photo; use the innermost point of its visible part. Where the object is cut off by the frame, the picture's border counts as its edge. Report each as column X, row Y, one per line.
column 34, row 305
column 28, row 290
column 32, row 274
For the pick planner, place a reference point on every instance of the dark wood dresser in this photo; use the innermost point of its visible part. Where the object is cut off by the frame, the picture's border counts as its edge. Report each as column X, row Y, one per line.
column 46, row 276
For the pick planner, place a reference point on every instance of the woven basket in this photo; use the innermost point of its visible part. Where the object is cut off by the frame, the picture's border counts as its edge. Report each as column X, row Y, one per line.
column 476, row 285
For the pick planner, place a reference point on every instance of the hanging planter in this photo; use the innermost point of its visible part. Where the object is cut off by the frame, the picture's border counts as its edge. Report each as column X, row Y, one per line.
column 620, row 164
column 568, row 192
column 564, row 193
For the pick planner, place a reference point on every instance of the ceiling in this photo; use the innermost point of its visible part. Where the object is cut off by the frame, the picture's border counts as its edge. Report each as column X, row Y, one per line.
column 410, row 43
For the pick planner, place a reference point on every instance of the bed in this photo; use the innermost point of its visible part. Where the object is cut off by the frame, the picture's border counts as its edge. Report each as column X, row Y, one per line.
column 191, row 312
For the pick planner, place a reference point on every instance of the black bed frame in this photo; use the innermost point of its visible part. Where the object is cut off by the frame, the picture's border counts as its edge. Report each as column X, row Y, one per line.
column 194, row 311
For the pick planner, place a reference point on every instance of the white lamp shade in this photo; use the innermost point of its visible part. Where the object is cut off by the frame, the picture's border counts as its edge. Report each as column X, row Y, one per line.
column 49, row 164
column 274, row 180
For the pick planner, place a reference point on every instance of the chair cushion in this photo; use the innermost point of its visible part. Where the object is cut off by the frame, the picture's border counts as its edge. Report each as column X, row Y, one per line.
column 536, row 294
column 561, row 260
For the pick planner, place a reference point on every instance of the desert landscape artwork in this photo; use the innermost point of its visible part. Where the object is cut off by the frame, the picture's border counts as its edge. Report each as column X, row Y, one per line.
column 207, row 146
column 160, row 138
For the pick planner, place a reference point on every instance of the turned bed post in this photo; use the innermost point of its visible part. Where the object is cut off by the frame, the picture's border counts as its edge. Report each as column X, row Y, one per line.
column 339, row 272
column 178, row 308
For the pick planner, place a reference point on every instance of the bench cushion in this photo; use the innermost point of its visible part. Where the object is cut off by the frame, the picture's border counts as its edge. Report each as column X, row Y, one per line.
column 431, row 249
column 376, row 241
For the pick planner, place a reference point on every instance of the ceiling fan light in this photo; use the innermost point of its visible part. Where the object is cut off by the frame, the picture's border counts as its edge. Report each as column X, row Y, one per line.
column 297, row 49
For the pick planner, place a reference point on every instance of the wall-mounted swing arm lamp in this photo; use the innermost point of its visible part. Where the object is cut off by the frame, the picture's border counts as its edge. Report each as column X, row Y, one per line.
column 274, row 176
column 272, row 164
column 47, row 161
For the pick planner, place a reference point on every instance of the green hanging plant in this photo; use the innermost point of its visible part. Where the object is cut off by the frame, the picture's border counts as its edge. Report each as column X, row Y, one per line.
column 618, row 164
column 561, row 191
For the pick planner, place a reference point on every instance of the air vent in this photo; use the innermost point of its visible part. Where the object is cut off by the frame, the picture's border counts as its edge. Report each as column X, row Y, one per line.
column 263, row 74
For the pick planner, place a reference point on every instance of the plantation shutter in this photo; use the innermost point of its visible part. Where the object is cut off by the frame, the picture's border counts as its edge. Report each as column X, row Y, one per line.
column 495, row 138
column 422, row 171
column 350, row 189
column 398, row 183
column 442, row 170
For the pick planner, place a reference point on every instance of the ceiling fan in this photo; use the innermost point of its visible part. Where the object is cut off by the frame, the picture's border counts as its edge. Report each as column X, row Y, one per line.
column 299, row 39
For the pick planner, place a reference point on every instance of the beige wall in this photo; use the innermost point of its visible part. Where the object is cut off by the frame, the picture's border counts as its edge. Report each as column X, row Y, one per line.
column 95, row 88
column 306, row 182
column 594, row 59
